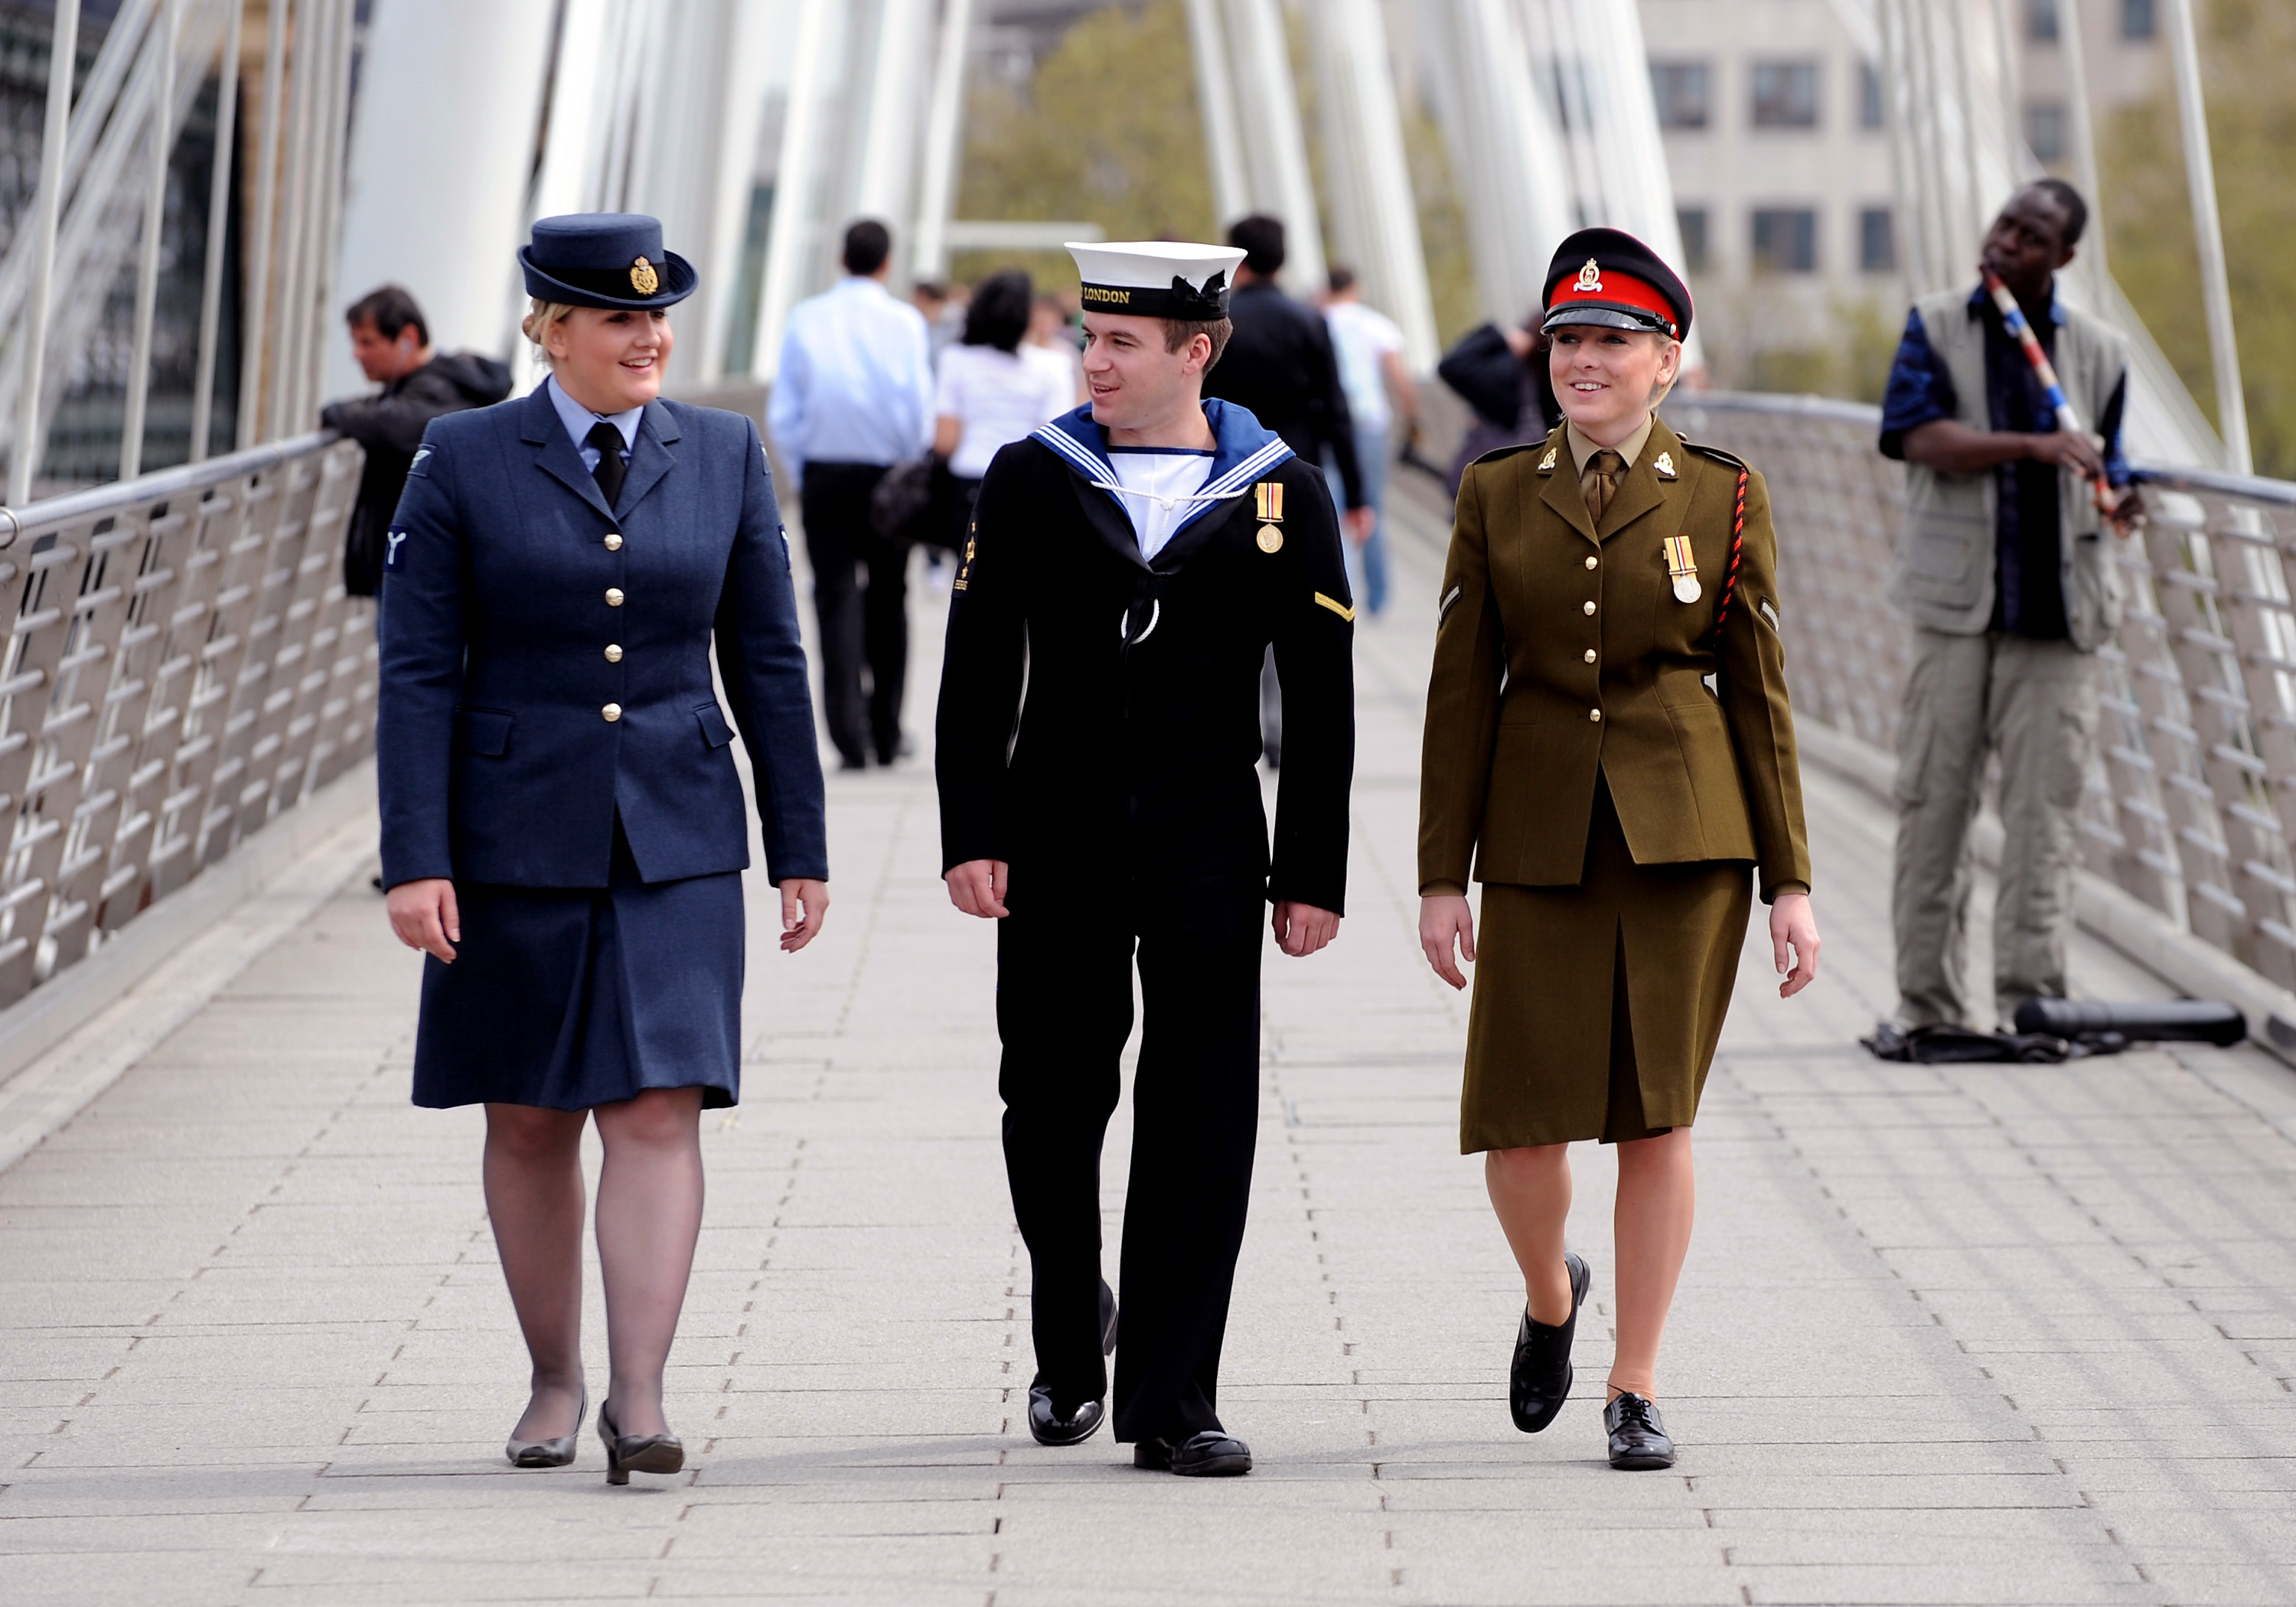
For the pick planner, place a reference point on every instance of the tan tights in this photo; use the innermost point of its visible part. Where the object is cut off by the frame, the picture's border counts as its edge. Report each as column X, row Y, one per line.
column 1657, row 1192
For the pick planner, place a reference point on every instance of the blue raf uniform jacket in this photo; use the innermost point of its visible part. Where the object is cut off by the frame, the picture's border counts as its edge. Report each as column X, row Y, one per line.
column 540, row 675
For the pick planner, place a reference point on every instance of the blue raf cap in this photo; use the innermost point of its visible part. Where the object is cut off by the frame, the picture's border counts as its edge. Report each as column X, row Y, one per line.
column 612, row 260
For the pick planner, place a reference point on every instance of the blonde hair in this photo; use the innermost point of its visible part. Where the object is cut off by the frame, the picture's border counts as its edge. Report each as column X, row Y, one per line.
column 535, row 324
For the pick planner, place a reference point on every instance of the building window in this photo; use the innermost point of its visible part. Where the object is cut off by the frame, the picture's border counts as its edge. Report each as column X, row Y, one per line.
column 1877, row 240
column 1680, row 88
column 1692, row 222
column 1869, row 95
column 2045, row 129
column 1785, row 240
column 2041, row 21
column 1785, row 94
column 2137, row 20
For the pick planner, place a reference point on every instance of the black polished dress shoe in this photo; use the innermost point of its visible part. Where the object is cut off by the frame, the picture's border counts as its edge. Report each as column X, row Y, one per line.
column 1214, row 1454
column 1540, row 1381
column 1046, row 1422
column 1639, row 1441
column 1049, row 1427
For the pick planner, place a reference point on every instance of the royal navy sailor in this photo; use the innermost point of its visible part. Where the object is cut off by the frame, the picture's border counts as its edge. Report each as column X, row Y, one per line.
column 1128, row 567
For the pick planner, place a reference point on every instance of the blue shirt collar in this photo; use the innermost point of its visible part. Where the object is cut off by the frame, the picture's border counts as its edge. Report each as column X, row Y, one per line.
column 1980, row 298
column 1244, row 450
column 579, row 419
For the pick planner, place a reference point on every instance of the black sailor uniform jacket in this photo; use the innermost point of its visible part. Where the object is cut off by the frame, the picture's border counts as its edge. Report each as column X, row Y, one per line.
column 1099, row 719
column 545, row 658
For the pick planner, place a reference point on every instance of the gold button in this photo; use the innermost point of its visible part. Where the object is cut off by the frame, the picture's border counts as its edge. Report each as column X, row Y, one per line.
column 617, row 596
column 1590, row 561
column 1595, row 715
column 614, row 652
column 614, row 598
column 1590, row 654
column 614, row 544
column 613, row 711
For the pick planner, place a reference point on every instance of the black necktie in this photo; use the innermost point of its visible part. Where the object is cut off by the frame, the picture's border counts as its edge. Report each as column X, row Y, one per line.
column 610, row 469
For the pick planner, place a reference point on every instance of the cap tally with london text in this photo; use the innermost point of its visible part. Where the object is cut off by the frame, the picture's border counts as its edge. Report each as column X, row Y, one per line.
column 1156, row 278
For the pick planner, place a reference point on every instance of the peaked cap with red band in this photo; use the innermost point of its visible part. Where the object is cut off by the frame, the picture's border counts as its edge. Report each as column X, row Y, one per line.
column 1607, row 276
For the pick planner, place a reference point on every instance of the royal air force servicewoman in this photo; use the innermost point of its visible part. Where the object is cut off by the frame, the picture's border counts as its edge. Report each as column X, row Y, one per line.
column 562, row 825
column 1609, row 744
column 1129, row 565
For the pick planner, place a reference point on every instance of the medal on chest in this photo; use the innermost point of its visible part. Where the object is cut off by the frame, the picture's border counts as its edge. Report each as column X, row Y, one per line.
column 1268, row 498
column 1683, row 566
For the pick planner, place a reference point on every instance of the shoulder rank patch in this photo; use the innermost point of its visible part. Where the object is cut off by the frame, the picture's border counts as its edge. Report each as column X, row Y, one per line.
column 1443, row 609
column 1770, row 614
column 1716, row 453
column 1337, row 607
column 1664, row 464
column 415, row 465
column 1547, row 464
column 391, row 543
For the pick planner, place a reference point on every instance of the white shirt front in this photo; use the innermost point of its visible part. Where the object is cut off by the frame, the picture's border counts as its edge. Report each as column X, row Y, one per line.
column 1361, row 338
column 999, row 396
column 1161, row 484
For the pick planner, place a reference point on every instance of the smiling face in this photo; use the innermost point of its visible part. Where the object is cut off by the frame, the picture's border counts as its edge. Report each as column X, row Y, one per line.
column 1136, row 384
column 1607, row 380
column 607, row 359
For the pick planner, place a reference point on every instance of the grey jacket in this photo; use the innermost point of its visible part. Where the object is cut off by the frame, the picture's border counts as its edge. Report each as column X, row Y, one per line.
column 1944, row 572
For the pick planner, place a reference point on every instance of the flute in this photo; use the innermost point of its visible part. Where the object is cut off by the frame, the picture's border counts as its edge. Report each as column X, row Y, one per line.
column 2052, row 391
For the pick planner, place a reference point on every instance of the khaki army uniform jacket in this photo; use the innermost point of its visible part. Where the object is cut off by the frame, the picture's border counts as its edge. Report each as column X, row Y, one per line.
column 1564, row 652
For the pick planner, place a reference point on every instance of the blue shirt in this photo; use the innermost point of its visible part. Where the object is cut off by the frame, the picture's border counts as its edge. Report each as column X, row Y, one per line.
column 856, row 381
column 579, row 421
column 2029, row 591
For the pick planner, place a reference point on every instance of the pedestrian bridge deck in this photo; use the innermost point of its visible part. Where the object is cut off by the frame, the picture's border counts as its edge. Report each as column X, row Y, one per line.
column 1948, row 1334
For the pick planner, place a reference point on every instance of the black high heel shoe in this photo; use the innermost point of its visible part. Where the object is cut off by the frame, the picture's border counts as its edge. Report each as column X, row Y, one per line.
column 627, row 1453
column 1539, row 1380
column 548, row 1453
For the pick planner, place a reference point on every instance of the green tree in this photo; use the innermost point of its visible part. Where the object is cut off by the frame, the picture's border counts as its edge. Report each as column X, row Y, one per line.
column 1106, row 132
column 2248, row 50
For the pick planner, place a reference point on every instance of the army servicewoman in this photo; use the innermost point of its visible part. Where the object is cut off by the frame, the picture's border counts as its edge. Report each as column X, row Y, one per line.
column 562, row 826
column 1607, row 740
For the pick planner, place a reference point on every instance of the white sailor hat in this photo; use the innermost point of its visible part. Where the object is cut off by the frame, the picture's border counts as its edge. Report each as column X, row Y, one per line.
column 1156, row 278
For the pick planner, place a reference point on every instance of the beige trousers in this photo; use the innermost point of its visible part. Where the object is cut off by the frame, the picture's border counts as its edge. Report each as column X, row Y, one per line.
column 2034, row 704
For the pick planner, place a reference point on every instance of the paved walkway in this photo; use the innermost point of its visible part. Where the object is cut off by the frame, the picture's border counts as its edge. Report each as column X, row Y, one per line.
column 1970, row 1334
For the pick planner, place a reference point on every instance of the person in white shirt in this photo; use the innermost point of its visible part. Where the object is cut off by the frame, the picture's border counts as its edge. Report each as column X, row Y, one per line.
column 993, row 388
column 1369, row 348
column 854, row 396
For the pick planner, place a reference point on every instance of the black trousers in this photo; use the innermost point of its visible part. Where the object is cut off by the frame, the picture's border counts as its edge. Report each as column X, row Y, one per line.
column 861, row 598
column 1064, row 1011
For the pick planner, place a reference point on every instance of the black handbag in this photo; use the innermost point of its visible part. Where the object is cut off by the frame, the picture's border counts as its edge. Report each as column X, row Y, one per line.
column 904, row 506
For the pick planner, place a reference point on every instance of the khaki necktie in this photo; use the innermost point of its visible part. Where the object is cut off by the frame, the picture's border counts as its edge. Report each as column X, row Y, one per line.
column 1602, row 481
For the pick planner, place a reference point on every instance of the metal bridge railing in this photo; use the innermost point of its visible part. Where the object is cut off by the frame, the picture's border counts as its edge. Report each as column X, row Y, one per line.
column 181, row 663
column 2191, row 804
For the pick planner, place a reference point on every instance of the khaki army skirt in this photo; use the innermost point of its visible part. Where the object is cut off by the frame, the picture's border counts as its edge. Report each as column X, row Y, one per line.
column 1597, row 1007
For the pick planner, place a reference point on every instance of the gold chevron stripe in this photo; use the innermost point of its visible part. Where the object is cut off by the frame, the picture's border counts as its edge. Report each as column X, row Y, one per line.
column 1337, row 607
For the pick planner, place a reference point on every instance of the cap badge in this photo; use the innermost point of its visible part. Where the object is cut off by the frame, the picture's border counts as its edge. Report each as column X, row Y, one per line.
column 1682, row 565
column 1590, row 277
column 642, row 278
column 1664, row 464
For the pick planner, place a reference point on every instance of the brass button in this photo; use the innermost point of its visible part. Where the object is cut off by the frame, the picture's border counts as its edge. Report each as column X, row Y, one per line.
column 613, row 711
column 1590, row 654
column 614, row 598
column 617, row 597
column 1590, row 561
column 614, row 543
column 614, row 652
column 1592, row 714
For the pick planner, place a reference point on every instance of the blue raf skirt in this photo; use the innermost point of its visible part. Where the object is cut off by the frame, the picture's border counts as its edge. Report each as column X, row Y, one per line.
column 578, row 997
